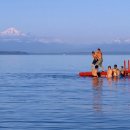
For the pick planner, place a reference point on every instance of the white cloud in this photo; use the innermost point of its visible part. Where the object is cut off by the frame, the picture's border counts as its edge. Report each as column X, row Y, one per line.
column 49, row 40
column 117, row 40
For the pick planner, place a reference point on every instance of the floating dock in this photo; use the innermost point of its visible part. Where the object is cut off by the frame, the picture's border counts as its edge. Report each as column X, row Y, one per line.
column 104, row 73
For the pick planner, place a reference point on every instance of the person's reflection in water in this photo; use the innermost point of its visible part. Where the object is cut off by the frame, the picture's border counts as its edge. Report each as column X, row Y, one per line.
column 109, row 82
column 97, row 82
column 115, row 79
column 97, row 93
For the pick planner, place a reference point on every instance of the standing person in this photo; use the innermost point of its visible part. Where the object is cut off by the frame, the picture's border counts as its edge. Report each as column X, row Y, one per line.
column 94, row 59
column 100, row 58
column 109, row 72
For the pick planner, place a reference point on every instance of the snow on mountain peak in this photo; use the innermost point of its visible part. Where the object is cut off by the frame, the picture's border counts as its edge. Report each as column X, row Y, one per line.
column 12, row 32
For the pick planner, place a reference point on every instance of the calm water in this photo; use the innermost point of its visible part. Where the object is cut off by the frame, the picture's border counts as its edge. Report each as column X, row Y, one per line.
column 44, row 92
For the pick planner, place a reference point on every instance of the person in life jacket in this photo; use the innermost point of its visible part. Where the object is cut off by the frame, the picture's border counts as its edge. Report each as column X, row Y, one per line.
column 116, row 71
column 100, row 58
column 95, row 59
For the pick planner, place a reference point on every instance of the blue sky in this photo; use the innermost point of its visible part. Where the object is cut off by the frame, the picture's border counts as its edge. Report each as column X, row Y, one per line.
column 73, row 21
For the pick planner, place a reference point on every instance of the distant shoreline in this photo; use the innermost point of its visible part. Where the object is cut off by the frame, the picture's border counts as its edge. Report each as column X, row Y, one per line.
column 60, row 53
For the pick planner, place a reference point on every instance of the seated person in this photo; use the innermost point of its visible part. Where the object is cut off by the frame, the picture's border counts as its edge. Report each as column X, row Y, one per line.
column 109, row 72
column 122, row 71
column 116, row 71
column 95, row 72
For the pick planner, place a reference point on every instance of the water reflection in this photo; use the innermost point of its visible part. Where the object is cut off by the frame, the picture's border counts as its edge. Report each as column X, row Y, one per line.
column 115, row 79
column 113, row 86
column 97, row 84
column 109, row 80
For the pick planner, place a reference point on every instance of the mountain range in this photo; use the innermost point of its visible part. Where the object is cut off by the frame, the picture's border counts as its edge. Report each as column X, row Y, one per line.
column 12, row 39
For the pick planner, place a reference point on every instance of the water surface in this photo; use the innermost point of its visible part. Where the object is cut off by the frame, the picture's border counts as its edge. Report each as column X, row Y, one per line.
column 44, row 92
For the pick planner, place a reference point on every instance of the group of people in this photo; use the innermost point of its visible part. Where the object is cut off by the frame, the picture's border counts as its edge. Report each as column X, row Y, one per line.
column 97, row 62
column 97, row 58
column 115, row 72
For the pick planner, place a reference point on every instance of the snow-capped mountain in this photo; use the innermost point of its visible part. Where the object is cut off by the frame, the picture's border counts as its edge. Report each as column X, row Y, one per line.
column 11, row 32
column 12, row 39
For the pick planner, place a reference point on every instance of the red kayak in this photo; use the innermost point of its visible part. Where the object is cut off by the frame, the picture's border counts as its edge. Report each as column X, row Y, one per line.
column 89, row 74
column 104, row 73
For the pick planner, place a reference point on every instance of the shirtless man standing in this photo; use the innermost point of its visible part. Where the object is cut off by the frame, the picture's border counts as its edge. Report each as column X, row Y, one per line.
column 95, row 72
column 100, row 58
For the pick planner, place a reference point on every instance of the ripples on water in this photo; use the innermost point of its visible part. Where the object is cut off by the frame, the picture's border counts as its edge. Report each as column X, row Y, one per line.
column 44, row 92
column 58, row 101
